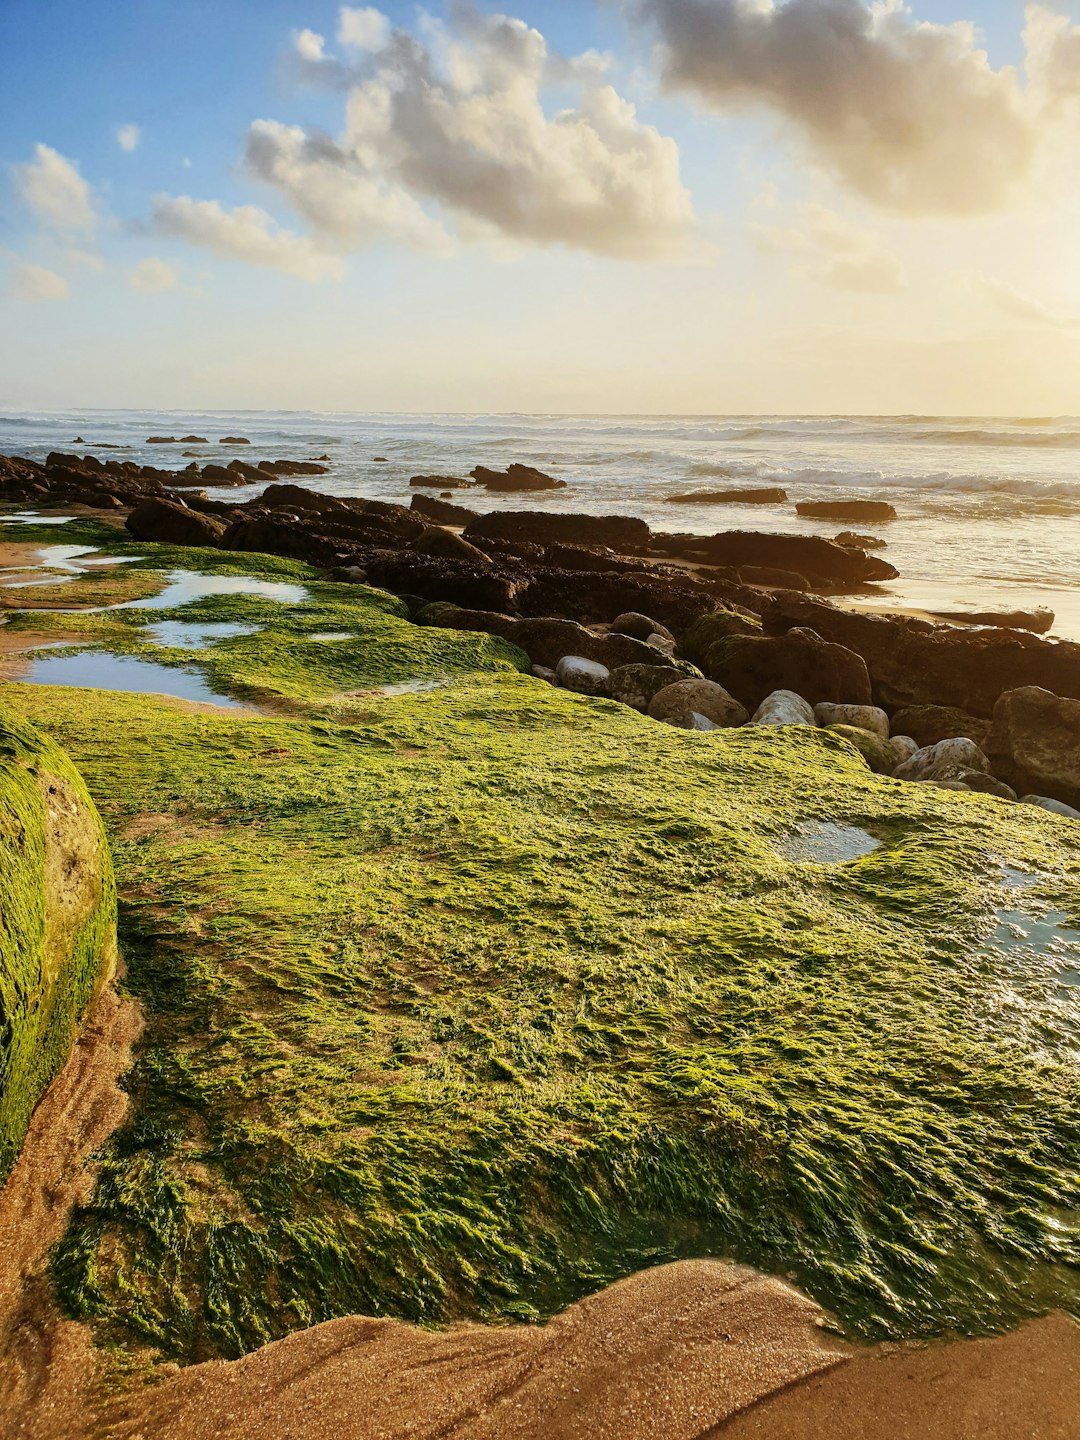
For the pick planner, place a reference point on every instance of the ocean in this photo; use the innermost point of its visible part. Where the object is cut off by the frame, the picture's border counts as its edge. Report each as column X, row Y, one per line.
column 989, row 509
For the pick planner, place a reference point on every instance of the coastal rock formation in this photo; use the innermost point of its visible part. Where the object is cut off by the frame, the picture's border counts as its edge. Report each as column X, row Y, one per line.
column 679, row 703
column 1035, row 743
column 443, row 512
column 171, row 523
column 516, row 477
column 442, row 482
column 947, row 760
column 846, row 509
column 783, row 707
column 753, row 666
column 1039, row 621
column 635, row 685
column 766, row 495
column 825, row 564
column 57, row 919
column 930, row 723
column 542, row 527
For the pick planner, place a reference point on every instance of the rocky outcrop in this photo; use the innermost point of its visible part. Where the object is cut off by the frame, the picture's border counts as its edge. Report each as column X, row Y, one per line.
column 442, row 482
column 913, row 662
column 57, row 919
column 764, row 496
column 846, row 509
column 1039, row 621
column 826, row 565
column 753, row 666
column 928, row 724
column 516, row 477
column 543, row 528
column 170, row 523
column 443, row 512
column 1034, row 744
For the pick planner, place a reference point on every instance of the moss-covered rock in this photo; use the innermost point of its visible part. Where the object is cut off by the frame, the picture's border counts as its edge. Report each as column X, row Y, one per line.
column 707, row 630
column 878, row 753
column 57, row 919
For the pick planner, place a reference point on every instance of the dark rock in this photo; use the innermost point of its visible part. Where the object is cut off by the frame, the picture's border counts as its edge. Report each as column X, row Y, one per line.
column 219, row 475
column 438, row 541
column 847, row 509
column 442, row 482
column 861, row 542
column 986, row 784
column 772, row 579
column 594, row 598
column 753, row 666
column 380, row 460
column 544, row 528
column 704, row 632
column 474, row 587
column 638, row 626
column 764, row 496
column 170, row 523
column 292, row 467
column 600, row 558
column 680, row 703
column 914, row 662
column 1039, row 621
column 517, row 477
column 825, row 564
column 442, row 512
column 635, row 685
column 927, row 724
column 233, row 440
column 1035, row 743
column 547, row 639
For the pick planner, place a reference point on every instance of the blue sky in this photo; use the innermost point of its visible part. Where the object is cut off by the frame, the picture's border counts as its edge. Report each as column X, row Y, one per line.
column 758, row 258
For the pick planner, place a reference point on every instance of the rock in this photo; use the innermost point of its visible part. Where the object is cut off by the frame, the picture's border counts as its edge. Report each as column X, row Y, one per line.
column 442, row 482
column 903, row 747
column 543, row 528
column 930, row 723
column 441, row 511
column 58, row 903
column 216, row 475
column 877, row 753
column 379, row 460
column 772, row 579
column 1034, row 744
column 162, row 440
column 783, row 707
column 516, row 477
column 846, row 509
column 455, row 617
column 763, row 496
column 865, row 717
column 1039, row 620
column 664, row 643
column 542, row 672
column 915, row 662
column 546, row 640
column 292, row 467
column 704, row 632
column 753, row 666
column 169, row 522
column 949, row 785
column 586, row 677
column 233, row 440
column 438, row 541
column 944, row 761
column 861, row 542
column 824, row 564
column 639, row 626
column 678, row 703
column 1056, row 807
column 986, row 784
column 635, row 685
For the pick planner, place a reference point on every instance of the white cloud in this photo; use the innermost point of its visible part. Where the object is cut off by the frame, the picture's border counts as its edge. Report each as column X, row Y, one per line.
column 1021, row 306
column 460, row 123
column 34, row 282
column 910, row 115
column 152, row 275
column 827, row 247
column 245, row 233
column 128, row 137
column 309, row 46
column 362, row 28
column 53, row 189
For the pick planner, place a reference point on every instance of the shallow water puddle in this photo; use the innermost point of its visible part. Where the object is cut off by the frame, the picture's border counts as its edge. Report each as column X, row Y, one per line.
column 191, row 635
column 1035, row 948
column 825, row 842
column 98, row 670
column 27, row 517
column 334, row 635
column 185, row 586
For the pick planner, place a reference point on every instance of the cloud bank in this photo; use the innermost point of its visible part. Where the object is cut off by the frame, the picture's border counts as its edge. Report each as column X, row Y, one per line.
column 909, row 115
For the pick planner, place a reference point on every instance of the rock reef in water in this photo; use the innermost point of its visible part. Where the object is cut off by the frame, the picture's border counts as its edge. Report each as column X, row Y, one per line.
column 57, row 918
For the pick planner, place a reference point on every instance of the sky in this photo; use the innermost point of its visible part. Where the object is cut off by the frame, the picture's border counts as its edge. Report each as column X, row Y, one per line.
column 600, row 206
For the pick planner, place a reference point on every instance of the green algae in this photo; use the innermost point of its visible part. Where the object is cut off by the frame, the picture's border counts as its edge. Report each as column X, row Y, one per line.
column 57, row 919
column 475, row 1004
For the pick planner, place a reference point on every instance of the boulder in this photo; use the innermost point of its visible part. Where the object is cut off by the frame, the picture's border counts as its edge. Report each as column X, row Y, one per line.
column 704, row 632
column 168, row 522
column 947, row 760
column 442, row 511
column 783, row 707
column 234, row 440
column 903, row 747
column 442, row 482
column 679, row 703
column 639, row 626
column 292, row 467
column 986, row 784
column 586, row 677
column 1038, row 621
column 771, row 579
column 824, row 564
column 543, row 528
column 864, row 717
column 930, row 723
column 635, row 685
column 600, row 558
column 455, row 617
column 594, row 598
column 1055, row 807
column 516, row 477
column 546, row 640
column 753, row 666
column 877, row 753
column 438, row 541
column 861, row 542
column 58, row 909
column 846, row 509
column 764, row 495
column 1034, row 744
column 543, row 672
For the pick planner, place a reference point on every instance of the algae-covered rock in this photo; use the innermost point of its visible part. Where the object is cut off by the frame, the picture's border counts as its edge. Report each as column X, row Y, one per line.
column 57, row 919
column 877, row 753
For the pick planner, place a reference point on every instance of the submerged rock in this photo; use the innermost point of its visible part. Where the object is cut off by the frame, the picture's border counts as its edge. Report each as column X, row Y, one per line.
column 57, row 919
column 516, row 477
column 847, row 509
column 763, row 495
